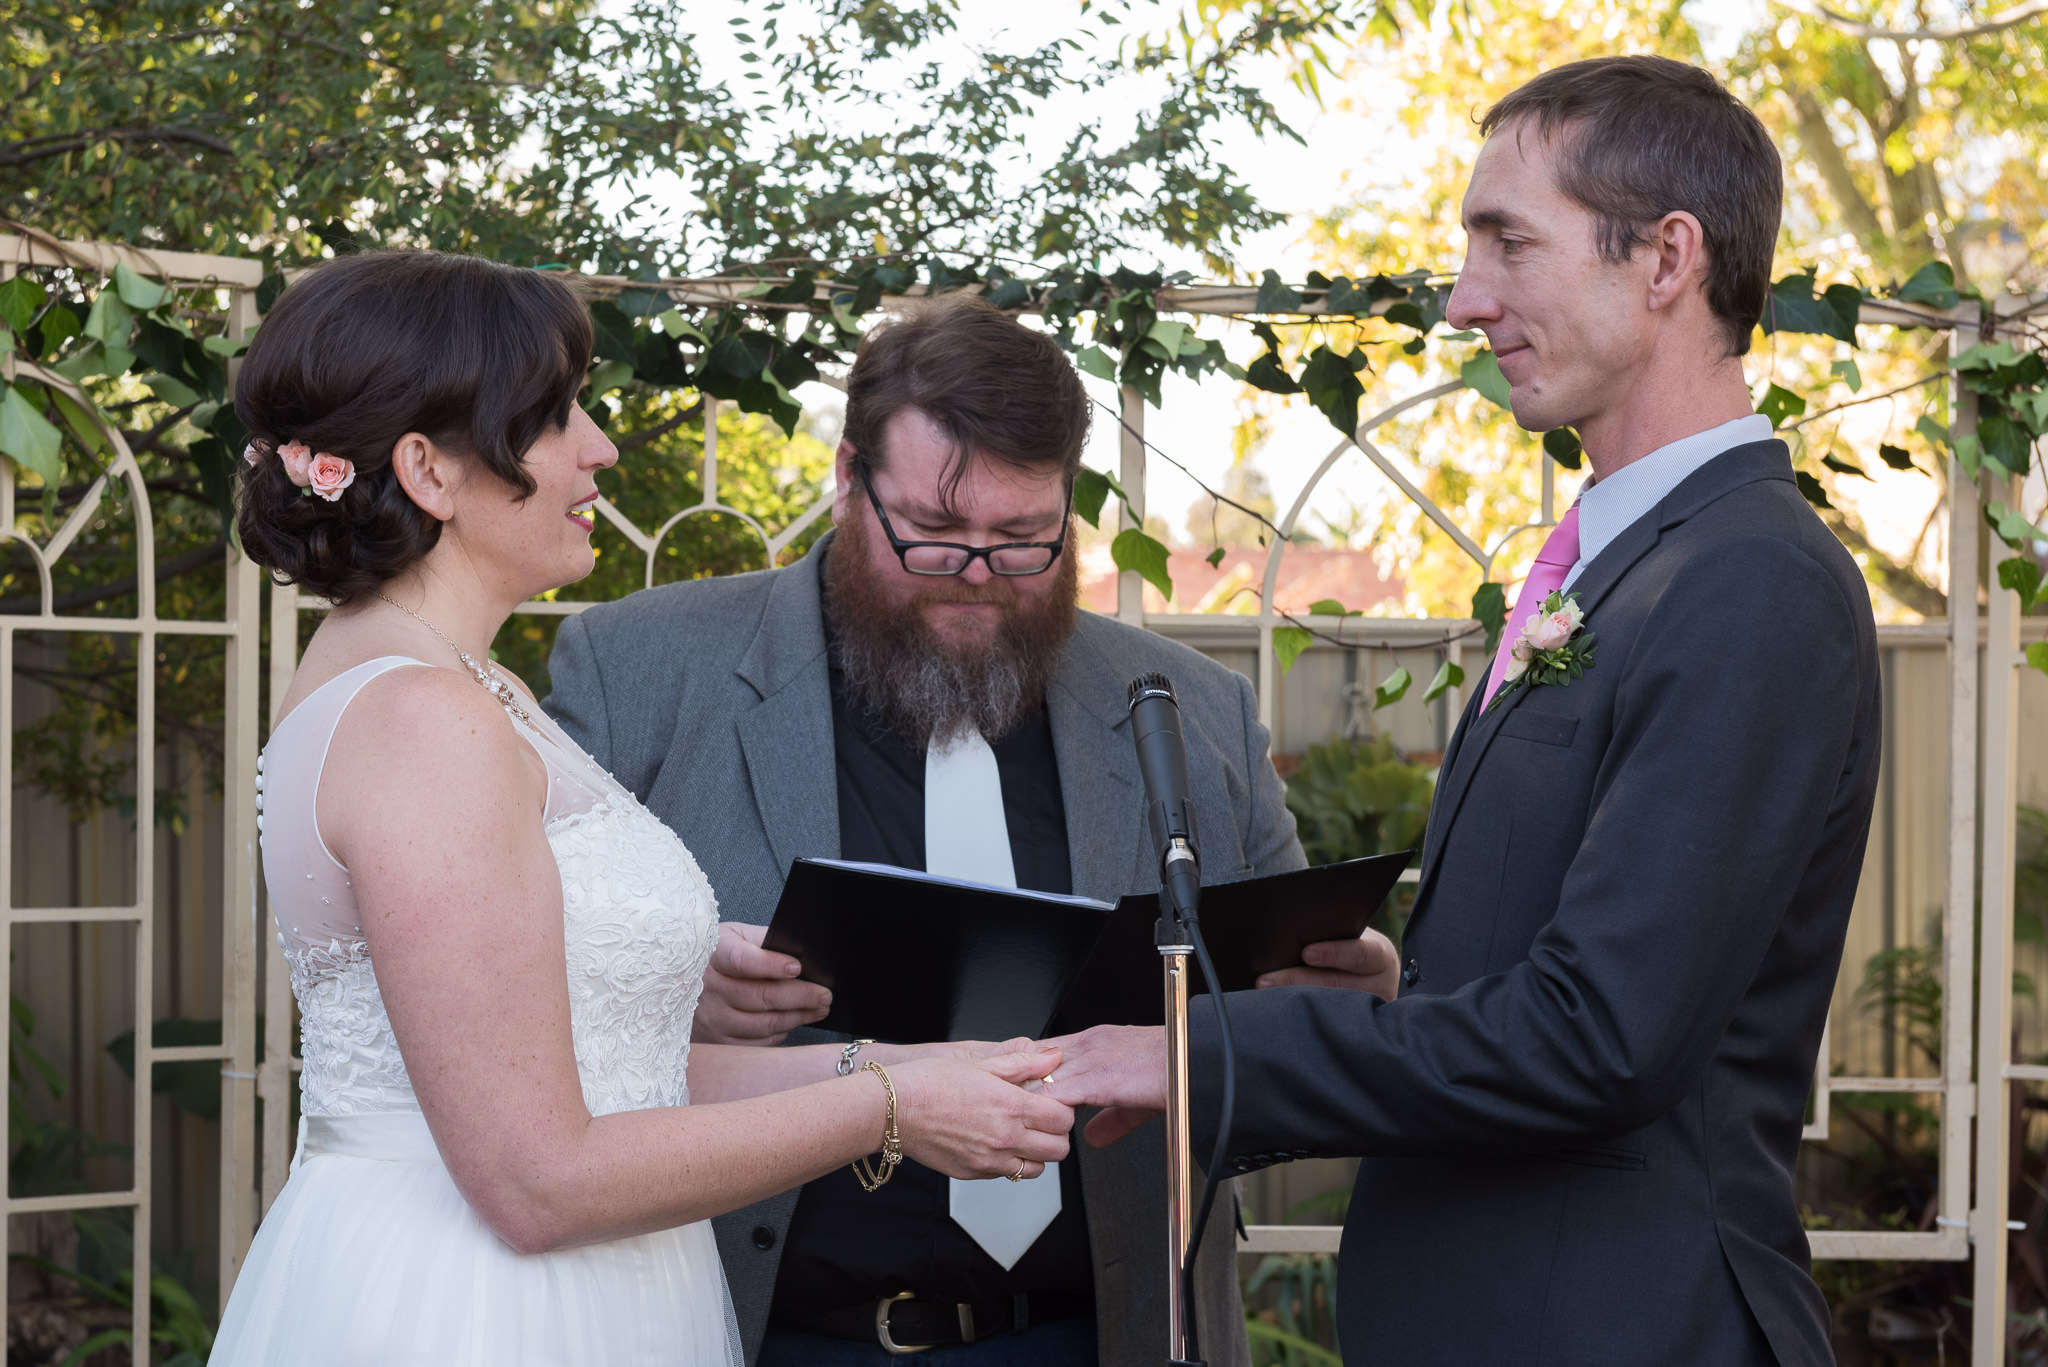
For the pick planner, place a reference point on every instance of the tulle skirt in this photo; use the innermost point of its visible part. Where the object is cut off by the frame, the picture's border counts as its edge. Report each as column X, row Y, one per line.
column 371, row 1258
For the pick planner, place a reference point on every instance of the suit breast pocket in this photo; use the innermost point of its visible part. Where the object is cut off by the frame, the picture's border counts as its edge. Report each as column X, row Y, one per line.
column 1545, row 728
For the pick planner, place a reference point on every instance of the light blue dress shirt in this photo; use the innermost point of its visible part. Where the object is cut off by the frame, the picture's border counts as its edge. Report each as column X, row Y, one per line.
column 1608, row 507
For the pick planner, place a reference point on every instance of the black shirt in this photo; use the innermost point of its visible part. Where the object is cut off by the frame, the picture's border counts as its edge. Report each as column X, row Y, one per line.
column 851, row 1247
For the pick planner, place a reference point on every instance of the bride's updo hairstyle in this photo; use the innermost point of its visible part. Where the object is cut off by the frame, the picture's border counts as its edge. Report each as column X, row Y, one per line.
column 481, row 358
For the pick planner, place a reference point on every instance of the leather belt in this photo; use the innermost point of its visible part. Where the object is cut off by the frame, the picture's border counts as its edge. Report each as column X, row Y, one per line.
column 905, row 1323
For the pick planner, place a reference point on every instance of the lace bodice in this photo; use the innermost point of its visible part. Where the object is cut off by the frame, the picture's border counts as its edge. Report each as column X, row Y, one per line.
column 638, row 917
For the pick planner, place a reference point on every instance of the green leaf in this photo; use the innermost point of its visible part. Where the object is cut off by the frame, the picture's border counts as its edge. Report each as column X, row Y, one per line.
column 267, row 290
column 1934, row 283
column 1448, row 677
column 1391, row 689
column 1490, row 610
column 1330, row 607
column 1091, row 488
column 110, row 321
column 27, row 435
column 1134, row 549
column 1969, row 453
column 19, row 300
column 1936, row 433
column 1795, row 307
column 1810, row 487
column 613, row 339
column 2023, row 577
column 606, row 376
column 673, row 324
column 1848, row 374
column 2037, row 656
column 1330, row 380
column 2012, row 526
column 59, row 326
column 1269, row 374
column 1561, row 444
column 1093, row 360
column 1169, row 334
column 2006, row 442
column 172, row 391
column 1288, row 643
column 1898, row 457
column 226, row 348
column 1214, row 557
column 137, row 293
column 1275, row 296
column 1988, row 356
column 1842, row 466
column 1482, row 374
column 83, row 428
column 1779, row 404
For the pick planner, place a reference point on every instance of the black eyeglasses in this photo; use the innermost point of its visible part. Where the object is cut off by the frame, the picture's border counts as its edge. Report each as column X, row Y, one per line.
column 943, row 558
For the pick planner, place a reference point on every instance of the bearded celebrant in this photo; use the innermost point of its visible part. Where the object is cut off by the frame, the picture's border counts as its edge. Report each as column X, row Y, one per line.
column 923, row 690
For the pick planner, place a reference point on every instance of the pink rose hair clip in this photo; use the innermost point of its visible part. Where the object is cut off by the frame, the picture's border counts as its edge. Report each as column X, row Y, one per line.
column 317, row 473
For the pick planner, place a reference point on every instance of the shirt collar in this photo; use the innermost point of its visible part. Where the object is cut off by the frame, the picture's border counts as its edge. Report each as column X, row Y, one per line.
column 1609, row 506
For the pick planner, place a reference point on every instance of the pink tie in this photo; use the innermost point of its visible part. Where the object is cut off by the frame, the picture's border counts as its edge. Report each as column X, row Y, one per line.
column 1560, row 552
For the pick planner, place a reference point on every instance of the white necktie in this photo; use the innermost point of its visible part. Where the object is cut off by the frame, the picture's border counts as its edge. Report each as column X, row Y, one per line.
column 967, row 836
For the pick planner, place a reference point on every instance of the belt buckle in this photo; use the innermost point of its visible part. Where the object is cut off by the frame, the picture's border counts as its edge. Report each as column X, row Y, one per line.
column 889, row 1345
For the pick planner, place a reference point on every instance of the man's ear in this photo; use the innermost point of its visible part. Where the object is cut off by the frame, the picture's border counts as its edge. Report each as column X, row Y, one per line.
column 428, row 473
column 842, row 482
column 1680, row 248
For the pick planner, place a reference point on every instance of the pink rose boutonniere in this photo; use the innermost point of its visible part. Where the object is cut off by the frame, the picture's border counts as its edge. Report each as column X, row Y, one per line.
column 329, row 475
column 1553, row 647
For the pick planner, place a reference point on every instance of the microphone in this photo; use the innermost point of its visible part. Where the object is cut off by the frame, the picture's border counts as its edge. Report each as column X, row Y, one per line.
column 1163, row 765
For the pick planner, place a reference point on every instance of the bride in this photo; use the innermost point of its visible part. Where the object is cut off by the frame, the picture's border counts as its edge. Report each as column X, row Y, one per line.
column 511, row 1149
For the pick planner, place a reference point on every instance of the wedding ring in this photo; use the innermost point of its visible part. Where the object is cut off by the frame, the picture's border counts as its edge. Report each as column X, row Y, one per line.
column 1018, row 1175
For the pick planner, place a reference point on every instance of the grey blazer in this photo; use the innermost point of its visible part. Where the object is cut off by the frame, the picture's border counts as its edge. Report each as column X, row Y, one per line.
column 1584, row 1109
column 710, row 700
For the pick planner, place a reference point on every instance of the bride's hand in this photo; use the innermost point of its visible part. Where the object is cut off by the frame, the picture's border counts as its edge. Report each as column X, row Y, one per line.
column 973, row 1118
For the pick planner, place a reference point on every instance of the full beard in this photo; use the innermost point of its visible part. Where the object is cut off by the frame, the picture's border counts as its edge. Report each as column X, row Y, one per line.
column 915, row 682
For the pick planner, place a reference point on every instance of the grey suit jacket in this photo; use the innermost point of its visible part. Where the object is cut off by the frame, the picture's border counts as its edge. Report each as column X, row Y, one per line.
column 1587, row 1101
column 710, row 700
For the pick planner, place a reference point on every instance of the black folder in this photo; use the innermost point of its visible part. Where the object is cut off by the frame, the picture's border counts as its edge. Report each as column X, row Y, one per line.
column 910, row 956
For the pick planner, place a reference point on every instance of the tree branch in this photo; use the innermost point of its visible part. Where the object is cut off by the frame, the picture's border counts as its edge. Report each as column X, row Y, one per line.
column 1857, row 28
column 1820, row 144
column 56, row 145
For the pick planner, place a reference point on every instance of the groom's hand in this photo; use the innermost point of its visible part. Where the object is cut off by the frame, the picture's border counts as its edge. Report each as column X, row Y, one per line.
column 1366, row 964
column 752, row 995
column 1121, row 1068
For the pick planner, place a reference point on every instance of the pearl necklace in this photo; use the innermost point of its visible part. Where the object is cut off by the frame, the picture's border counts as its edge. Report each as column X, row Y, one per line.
column 507, row 697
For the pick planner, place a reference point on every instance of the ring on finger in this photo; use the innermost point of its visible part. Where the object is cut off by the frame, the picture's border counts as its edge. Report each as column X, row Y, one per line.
column 1018, row 1175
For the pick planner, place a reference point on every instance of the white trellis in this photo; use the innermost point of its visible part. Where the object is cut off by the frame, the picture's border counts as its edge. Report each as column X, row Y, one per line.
column 1962, row 1227
column 238, row 629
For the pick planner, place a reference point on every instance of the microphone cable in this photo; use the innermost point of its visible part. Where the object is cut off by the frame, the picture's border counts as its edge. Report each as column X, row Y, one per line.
column 1210, row 1178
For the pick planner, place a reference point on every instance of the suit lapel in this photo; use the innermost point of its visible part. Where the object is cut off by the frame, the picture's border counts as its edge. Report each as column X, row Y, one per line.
column 1477, row 729
column 1728, row 471
column 1099, row 782
column 786, row 739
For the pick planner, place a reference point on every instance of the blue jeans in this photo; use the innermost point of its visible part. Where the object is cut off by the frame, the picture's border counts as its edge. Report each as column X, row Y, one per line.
column 1063, row 1343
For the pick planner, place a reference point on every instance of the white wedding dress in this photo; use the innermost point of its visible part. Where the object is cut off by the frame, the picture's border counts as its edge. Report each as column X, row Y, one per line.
column 371, row 1256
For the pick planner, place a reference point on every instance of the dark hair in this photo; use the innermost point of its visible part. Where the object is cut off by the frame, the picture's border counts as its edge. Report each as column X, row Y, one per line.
column 477, row 356
column 1640, row 137
column 992, row 385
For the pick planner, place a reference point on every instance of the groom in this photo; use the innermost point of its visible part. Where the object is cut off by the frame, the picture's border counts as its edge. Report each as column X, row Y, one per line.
column 1579, row 1121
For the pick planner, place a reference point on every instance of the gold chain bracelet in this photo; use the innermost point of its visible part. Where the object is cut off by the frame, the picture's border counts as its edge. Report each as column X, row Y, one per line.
column 872, row 1178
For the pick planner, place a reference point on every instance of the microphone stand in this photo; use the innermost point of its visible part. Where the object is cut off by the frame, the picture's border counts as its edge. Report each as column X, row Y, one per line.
column 1174, row 934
